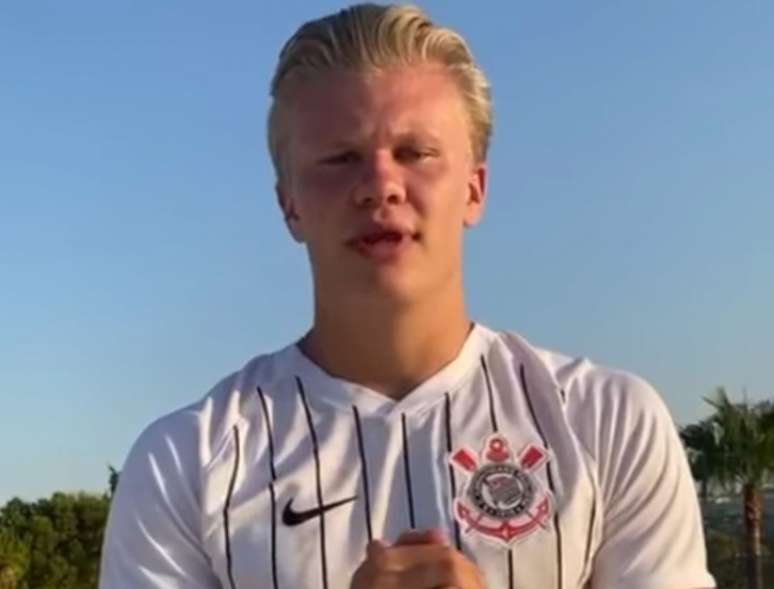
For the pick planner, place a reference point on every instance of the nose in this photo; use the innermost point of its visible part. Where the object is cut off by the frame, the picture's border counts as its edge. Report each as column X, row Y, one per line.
column 381, row 181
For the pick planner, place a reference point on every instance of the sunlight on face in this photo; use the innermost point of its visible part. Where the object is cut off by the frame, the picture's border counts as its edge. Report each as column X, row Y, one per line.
column 381, row 181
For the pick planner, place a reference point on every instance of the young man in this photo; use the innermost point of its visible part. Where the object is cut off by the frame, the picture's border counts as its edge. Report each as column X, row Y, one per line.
column 400, row 444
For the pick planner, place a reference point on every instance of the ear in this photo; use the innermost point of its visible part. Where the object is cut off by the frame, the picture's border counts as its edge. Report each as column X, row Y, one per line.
column 289, row 212
column 474, row 206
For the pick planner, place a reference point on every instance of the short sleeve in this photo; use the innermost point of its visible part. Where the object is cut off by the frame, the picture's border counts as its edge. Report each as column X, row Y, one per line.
column 652, row 536
column 152, row 539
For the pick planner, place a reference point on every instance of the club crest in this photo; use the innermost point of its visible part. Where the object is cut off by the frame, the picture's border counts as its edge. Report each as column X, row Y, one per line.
column 502, row 500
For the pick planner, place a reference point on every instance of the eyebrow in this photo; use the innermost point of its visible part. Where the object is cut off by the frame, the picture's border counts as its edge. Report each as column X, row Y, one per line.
column 404, row 137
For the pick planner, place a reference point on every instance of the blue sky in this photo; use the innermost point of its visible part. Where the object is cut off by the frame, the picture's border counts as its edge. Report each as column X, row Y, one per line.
column 142, row 257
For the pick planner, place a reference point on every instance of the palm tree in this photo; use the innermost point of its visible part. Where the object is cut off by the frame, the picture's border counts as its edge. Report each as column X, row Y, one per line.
column 704, row 456
column 736, row 445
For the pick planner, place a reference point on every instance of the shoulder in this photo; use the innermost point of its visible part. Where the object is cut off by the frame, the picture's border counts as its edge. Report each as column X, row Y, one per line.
column 164, row 495
column 626, row 430
column 585, row 384
column 193, row 435
column 647, row 499
column 599, row 391
column 604, row 406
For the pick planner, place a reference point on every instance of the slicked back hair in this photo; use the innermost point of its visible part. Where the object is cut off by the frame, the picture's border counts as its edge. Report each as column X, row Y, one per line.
column 368, row 37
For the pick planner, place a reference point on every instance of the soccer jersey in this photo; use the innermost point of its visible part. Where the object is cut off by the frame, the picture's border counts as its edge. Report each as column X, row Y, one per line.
column 545, row 471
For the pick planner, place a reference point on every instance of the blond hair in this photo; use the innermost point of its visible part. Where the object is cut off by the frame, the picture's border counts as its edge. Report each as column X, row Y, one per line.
column 370, row 36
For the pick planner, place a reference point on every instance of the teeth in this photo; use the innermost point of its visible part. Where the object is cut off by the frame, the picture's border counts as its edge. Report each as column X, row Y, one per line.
column 393, row 237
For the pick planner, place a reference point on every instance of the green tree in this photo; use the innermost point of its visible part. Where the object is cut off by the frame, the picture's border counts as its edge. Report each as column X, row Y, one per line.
column 704, row 455
column 14, row 559
column 52, row 543
column 735, row 447
column 113, row 479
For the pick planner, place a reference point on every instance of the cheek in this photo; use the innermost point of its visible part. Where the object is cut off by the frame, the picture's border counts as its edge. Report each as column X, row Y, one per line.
column 319, row 209
column 318, row 191
column 310, row 196
column 442, row 200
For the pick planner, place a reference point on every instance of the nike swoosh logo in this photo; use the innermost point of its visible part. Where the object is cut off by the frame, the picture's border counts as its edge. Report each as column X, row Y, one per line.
column 294, row 518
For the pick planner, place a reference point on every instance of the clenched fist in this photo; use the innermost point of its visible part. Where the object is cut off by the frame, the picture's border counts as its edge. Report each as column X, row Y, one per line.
column 417, row 560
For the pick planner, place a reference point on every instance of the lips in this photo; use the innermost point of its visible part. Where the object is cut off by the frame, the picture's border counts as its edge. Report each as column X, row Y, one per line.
column 377, row 233
column 382, row 243
column 390, row 236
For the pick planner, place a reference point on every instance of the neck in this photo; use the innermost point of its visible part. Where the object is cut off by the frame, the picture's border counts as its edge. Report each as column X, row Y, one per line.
column 388, row 350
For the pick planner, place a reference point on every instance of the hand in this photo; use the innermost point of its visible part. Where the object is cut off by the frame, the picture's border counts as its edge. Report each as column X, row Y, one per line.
column 417, row 560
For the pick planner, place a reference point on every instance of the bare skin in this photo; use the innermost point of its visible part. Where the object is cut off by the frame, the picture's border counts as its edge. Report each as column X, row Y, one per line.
column 368, row 153
column 417, row 560
column 378, row 149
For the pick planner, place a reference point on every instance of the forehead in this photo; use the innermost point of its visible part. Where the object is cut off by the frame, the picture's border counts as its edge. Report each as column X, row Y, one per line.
column 352, row 105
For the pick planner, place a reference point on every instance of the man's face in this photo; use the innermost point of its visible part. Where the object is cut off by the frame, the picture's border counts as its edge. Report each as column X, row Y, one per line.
column 380, row 181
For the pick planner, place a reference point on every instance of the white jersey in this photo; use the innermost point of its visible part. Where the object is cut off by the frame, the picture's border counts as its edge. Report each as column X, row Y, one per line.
column 547, row 472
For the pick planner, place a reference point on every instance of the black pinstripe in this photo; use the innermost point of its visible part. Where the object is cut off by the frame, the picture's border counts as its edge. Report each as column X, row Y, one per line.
column 315, row 449
column 452, row 480
column 269, row 434
column 227, row 504
column 364, row 464
column 559, row 567
column 272, row 494
column 407, row 467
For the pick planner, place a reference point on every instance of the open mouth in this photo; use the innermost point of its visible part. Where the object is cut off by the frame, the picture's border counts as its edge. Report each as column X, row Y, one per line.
column 388, row 236
column 382, row 245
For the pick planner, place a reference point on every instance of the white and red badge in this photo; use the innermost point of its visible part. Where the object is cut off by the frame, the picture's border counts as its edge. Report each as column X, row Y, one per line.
column 502, row 500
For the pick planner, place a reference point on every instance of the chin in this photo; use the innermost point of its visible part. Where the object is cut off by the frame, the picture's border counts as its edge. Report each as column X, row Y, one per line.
column 389, row 285
column 399, row 290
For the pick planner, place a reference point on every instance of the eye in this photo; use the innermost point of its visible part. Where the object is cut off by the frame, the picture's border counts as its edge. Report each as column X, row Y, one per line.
column 413, row 154
column 345, row 157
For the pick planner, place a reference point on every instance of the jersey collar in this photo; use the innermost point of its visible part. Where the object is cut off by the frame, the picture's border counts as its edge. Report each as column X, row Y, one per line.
column 344, row 394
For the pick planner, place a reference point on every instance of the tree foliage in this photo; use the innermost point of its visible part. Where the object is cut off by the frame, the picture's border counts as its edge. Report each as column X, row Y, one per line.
column 52, row 543
column 734, row 448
